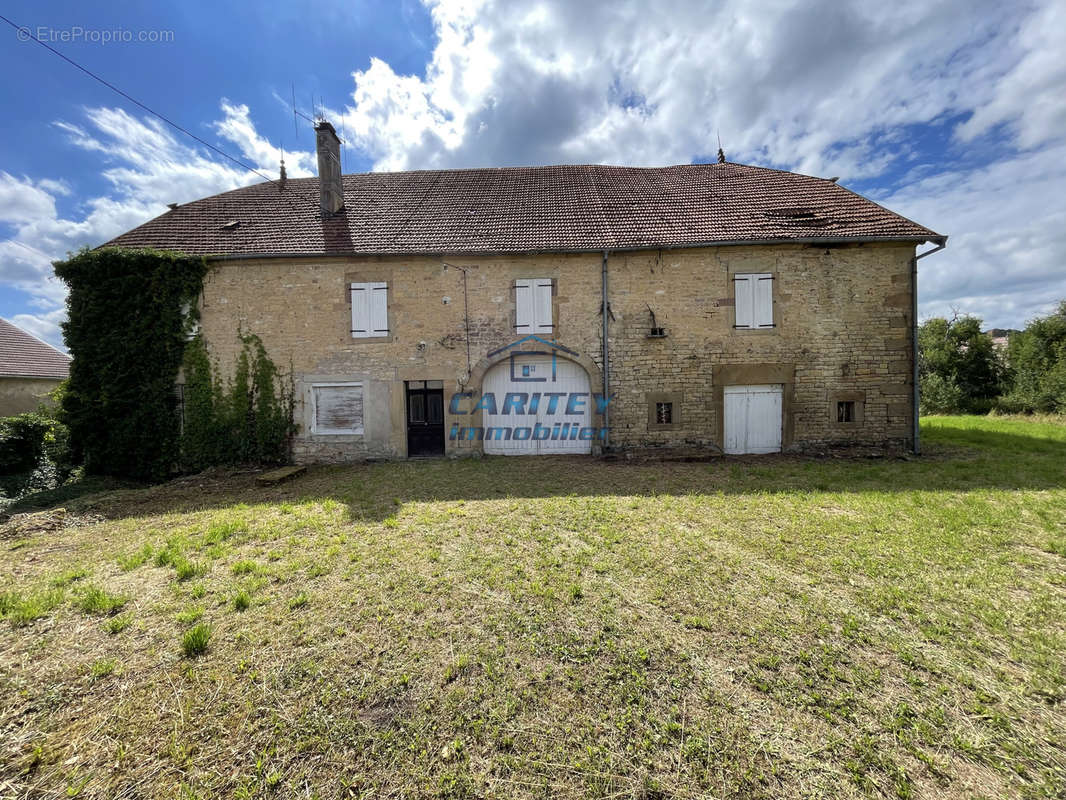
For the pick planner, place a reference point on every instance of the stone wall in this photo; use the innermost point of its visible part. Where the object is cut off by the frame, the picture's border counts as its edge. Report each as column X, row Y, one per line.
column 842, row 319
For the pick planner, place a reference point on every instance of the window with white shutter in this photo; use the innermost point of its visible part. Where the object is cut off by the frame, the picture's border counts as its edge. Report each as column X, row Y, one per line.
column 533, row 305
column 754, row 297
column 337, row 408
column 370, row 310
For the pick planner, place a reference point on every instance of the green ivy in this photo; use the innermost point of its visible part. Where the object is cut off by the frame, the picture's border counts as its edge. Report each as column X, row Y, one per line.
column 129, row 316
column 249, row 421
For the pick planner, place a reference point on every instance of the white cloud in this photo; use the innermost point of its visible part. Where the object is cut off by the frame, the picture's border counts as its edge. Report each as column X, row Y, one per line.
column 804, row 85
column 824, row 87
column 146, row 167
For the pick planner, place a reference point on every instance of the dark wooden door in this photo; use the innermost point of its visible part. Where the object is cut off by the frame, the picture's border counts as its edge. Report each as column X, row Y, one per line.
column 425, row 418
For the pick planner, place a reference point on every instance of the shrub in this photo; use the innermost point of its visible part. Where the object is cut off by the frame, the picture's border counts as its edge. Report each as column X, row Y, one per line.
column 34, row 453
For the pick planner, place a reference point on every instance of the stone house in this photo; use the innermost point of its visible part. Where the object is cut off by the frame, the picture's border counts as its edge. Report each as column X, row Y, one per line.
column 565, row 309
column 29, row 370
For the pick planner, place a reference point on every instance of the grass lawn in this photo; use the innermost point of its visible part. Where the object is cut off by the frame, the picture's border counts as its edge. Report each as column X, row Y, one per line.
column 749, row 627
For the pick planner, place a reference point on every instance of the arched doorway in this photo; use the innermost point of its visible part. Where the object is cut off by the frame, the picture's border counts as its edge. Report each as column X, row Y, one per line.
column 541, row 404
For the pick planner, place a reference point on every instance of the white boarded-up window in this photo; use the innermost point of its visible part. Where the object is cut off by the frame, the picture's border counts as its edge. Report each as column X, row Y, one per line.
column 337, row 408
column 754, row 296
column 370, row 310
column 533, row 305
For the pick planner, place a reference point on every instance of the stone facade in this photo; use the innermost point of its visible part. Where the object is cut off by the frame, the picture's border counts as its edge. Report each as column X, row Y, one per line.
column 842, row 319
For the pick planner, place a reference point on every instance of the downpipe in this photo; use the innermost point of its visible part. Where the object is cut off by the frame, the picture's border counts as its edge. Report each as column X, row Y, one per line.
column 606, row 358
column 914, row 338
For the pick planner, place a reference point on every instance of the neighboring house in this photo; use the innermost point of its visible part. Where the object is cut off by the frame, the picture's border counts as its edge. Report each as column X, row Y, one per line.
column 717, row 306
column 1001, row 337
column 29, row 370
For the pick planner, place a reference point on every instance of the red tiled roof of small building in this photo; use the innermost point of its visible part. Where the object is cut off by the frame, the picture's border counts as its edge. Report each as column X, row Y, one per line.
column 24, row 355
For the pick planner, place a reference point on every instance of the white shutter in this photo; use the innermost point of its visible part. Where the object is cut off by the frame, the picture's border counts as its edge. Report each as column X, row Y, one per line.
column 744, row 294
column 360, row 311
column 379, row 309
column 524, row 306
column 542, row 306
column 370, row 310
column 764, row 301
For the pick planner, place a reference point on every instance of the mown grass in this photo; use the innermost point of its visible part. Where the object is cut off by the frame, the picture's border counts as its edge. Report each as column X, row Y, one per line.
column 750, row 627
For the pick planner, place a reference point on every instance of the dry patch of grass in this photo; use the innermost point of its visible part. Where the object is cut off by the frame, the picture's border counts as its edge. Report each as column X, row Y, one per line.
column 777, row 627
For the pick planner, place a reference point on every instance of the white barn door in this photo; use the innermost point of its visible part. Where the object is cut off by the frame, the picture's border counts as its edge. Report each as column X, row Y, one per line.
column 753, row 418
column 566, row 377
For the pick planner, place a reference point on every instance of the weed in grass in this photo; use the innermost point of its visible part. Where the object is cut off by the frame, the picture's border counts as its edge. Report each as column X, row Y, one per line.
column 219, row 532
column 185, row 569
column 64, row 579
column 94, row 600
column 102, row 668
column 460, row 665
column 301, row 600
column 187, row 616
column 120, row 623
column 244, row 567
column 21, row 610
column 138, row 558
column 198, row 591
column 242, row 600
column 194, row 641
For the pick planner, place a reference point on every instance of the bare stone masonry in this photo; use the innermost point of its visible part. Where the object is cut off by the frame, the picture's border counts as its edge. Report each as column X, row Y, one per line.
column 841, row 322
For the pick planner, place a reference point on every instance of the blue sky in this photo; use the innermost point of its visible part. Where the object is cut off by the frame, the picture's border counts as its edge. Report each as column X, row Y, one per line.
column 949, row 113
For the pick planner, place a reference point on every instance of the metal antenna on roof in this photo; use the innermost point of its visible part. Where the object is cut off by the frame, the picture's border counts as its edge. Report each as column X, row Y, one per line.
column 721, row 152
column 295, row 124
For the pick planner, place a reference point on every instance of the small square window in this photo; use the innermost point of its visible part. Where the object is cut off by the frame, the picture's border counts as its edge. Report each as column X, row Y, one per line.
column 664, row 413
column 846, row 411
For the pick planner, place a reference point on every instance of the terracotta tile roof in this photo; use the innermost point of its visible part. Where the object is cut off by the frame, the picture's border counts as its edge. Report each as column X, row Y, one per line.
column 502, row 210
column 27, row 356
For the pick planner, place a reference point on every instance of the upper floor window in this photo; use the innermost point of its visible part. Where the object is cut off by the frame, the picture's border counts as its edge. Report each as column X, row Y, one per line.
column 370, row 310
column 754, row 295
column 533, row 305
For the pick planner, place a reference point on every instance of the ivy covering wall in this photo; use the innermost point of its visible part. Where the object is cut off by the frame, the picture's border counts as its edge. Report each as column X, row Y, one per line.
column 131, row 316
column 247, row 420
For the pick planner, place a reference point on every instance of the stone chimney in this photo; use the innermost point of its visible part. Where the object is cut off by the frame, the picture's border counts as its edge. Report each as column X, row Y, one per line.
column 331, row 192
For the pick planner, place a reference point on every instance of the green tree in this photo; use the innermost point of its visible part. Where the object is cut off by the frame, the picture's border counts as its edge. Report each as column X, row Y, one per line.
column 959, row 370
column 1037, row 360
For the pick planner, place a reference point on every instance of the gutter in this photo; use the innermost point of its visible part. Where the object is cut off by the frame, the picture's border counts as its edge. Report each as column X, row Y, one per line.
column 819, row 240
column 941, row 243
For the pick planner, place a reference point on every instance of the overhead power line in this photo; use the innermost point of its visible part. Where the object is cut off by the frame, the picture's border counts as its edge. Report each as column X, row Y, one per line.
column 27, row 33
column 28, row 247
